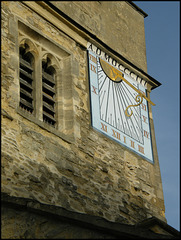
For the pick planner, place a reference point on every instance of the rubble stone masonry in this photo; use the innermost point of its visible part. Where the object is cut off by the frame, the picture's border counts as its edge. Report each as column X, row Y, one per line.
column 74, row 167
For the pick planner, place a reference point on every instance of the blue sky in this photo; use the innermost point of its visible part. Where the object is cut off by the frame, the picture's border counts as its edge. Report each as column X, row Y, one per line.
column 163, row 62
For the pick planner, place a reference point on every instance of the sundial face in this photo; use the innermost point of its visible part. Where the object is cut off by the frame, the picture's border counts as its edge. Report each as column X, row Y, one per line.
column 118, row 105
column 114, row 97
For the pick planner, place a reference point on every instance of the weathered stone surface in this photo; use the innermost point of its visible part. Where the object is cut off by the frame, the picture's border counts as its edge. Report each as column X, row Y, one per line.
column 24, row 218
column 127, row 26
column 91, row 173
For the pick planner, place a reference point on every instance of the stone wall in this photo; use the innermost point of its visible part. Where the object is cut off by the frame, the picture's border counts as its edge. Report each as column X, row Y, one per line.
column 25, row 218
column 26, row 223
column 115, row 23
column 86, row 173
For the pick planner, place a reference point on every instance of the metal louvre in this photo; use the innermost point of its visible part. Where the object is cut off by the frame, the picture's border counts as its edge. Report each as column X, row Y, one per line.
column 26, row 81
column 48, row 90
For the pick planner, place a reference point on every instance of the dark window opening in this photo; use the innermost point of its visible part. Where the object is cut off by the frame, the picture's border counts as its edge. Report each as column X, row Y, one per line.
column 48, row 89
column 26, row 79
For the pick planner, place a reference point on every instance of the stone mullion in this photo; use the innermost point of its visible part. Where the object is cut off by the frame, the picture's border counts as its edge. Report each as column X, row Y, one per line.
column 38, row 87
column 59, row 99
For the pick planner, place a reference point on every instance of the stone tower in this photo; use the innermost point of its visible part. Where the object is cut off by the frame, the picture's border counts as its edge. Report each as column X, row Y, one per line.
column 56, row 162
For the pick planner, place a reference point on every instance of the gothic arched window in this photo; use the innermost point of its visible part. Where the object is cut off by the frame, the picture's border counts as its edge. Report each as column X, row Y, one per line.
column 45, row 83
column 26, row 72
column 48, row 91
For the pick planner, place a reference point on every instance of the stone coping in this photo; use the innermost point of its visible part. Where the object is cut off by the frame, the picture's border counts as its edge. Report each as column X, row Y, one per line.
column 140, row 230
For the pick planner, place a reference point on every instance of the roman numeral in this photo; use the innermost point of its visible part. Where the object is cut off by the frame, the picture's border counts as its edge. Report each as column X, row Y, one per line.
column 104, row 127
column 116, row 135
column 132, row 144
column 143, row 106
column 92, row 58
column 94, row 89
column 144, row 118
column 141, row 149
column 93, row 68
column 146, row 134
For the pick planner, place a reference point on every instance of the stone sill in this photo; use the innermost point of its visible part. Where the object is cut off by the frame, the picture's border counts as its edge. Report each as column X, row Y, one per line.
column 67, row 138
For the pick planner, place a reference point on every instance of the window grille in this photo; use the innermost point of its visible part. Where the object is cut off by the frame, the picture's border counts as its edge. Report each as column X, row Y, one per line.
column 26, row 79
column 48, row 91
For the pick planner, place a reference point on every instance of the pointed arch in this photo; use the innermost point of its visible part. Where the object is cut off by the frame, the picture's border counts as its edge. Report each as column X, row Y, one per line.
column 27, row 52
column 29, row 46
column 49, row 78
